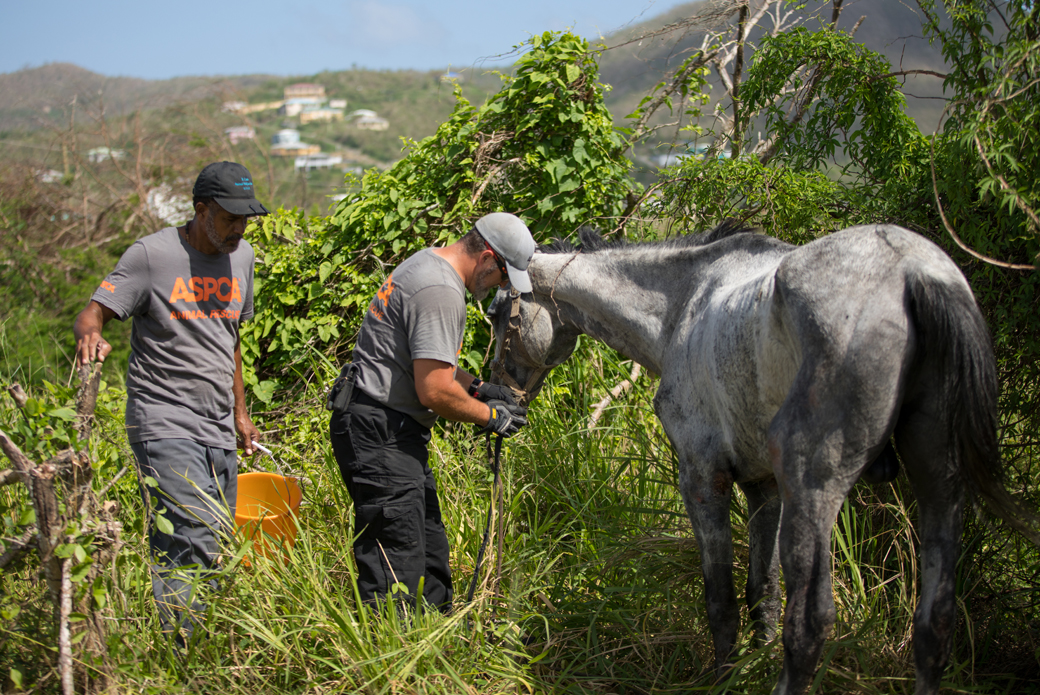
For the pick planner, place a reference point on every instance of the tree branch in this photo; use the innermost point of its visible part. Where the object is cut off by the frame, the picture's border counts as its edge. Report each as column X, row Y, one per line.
column 614, row 393
column 16, row 547
column 953, row 234
column 64, row 633
column 901, row 73
column 678, row 82
column 22, row 465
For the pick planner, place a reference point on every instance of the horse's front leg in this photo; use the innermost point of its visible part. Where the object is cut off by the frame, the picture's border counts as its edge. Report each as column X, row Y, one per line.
column 763, row 582
column 706, row 491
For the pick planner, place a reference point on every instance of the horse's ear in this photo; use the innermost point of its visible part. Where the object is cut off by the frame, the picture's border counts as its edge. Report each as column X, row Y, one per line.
column 590, row 239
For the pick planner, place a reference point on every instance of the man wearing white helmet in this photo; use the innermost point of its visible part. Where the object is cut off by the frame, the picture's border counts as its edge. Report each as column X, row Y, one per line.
column 403, row 376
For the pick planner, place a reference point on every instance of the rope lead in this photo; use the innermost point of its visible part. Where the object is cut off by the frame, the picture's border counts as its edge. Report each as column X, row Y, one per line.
column 496, row 467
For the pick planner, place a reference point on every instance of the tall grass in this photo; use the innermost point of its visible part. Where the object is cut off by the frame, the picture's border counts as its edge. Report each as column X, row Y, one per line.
column 599, row 589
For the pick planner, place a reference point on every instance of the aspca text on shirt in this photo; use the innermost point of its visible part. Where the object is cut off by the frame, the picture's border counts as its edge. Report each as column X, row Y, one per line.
column 196, row 290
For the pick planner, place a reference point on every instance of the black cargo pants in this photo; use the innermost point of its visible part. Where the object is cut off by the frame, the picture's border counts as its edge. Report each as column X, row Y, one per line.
column 399, row 535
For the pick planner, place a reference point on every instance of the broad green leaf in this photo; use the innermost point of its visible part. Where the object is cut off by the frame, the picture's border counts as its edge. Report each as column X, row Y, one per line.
column 264, row 390
column 163, row 524
column 324, row 270
column 79, row 572
column 67, row 414
column 27, row 516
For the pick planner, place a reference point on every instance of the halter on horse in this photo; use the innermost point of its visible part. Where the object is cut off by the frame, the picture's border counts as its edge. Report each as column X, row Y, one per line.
column 513, row 339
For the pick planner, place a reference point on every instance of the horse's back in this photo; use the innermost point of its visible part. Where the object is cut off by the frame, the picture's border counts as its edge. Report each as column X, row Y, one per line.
column 854, row 263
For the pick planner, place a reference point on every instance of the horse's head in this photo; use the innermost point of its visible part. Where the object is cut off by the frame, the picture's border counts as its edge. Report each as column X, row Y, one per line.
column 530, row 340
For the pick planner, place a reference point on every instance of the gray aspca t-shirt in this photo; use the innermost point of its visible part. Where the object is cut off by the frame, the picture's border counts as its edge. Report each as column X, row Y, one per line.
column 418, row 313
column 186, row 306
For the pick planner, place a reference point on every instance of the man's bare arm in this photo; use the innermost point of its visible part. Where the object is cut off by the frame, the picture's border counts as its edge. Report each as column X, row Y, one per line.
column 247, row 431
column 445, row 394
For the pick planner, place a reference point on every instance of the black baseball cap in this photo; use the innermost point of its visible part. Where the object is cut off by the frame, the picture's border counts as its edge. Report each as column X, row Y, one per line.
column 231, row 187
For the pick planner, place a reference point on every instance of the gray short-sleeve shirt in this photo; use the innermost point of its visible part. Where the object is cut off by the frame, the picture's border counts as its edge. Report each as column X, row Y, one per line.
column 186, row 307
column 418, row 313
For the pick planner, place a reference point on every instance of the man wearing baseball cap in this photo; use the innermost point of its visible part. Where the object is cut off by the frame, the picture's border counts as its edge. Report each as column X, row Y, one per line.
column 403, row 376
column 188, row 289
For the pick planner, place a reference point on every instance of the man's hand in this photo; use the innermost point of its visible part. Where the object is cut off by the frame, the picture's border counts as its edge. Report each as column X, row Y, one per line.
column 247, row 434
column 87, row 329
column 506, row 418
column 484, row 391
column 92, row 346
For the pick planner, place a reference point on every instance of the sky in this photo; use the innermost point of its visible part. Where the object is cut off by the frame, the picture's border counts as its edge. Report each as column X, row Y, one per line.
column 158, row 40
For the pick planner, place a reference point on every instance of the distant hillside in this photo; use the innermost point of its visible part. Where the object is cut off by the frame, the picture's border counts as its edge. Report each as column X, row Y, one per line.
column 29, row 97
column 633, row 66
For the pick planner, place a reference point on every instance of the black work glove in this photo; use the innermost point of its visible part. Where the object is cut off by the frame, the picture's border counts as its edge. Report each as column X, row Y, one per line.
column 484, row 391
column 506, row 418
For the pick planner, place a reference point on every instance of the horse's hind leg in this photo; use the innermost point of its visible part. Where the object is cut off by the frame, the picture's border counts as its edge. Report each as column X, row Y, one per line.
column 816, row 464
column 763, row 583
column 930, row 463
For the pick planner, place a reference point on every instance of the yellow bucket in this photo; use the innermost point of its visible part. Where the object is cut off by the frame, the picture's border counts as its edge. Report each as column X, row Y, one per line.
column 267, row 502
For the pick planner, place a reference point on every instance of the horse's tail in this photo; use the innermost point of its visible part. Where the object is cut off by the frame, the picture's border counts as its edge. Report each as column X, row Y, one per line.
column 952, row 332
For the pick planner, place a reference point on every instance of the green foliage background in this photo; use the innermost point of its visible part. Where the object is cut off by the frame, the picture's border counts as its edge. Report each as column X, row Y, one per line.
column 599, row 587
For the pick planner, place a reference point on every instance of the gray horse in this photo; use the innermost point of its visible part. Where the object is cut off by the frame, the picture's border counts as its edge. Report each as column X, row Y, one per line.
column 788, row 371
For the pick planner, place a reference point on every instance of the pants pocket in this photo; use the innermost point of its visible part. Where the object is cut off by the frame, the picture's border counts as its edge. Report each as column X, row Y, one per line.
column 390, row 546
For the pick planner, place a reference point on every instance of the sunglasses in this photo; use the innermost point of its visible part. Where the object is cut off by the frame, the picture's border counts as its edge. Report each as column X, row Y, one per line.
column 498, row 261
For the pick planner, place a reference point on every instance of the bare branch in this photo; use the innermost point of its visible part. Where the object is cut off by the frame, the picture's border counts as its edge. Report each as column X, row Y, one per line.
column 16, row 547
column 18, row 394
column 86, row 398
column 953, row 234
column 901, row 73
column 1034, row 221
column 22, row 464
column 615, row 392
column 64, row 636
column 46, row 502
column 678, row 82
column 712, row 17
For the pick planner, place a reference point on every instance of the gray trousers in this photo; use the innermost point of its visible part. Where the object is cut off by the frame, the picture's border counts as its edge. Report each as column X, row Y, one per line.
column 195, row 491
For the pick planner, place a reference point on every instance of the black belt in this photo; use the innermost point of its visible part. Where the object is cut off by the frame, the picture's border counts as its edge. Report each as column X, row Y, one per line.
column 363, row 398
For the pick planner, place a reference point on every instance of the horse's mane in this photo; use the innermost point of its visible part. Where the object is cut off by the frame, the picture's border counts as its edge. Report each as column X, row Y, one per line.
column 592, row 241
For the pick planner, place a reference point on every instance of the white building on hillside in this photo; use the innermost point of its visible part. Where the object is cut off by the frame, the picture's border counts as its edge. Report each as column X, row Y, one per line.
column 286, row 143
column 304, row 89
column 238, row 133
column 101, row 154
column 320, row 114
column 297, row 105
column 372, row 123
column 317, row 161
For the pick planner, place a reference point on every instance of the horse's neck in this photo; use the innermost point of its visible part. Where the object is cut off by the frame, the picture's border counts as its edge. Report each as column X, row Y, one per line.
column 599, row 295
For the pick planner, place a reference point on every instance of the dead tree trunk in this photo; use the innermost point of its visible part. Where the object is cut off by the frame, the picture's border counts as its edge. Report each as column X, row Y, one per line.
column 62, row 497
